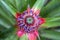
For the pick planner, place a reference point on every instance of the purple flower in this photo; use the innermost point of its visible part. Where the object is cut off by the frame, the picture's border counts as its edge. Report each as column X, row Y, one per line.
column 28, row 23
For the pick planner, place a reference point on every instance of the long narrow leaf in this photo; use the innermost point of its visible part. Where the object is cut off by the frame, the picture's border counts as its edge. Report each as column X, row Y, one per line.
column 52, row 22
column 52, row 5
column 54, row 13
column 6, row 16
column 50, row 34
column 7, row 7
column 39, row 4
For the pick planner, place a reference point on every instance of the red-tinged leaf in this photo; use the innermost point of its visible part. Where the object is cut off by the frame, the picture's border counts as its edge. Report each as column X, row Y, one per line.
column 17, row 14
column 42, row 20
column 31, row 36
column 20, row 33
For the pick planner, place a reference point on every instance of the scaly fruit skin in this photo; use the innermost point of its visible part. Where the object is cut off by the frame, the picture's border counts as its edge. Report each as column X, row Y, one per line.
column 28, row 22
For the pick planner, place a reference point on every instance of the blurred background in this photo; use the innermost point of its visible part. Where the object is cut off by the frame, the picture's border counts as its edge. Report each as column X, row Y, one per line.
column 50, row 10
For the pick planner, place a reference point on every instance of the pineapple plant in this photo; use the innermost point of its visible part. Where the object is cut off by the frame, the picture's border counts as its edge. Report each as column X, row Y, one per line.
column 48, row 25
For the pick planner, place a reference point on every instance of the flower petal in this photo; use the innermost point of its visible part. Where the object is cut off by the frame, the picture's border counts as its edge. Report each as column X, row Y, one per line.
column 32, row 36
column 37, row 11
column 36, row 33
column 20, row 33
column 28, row 9
column 42, row 20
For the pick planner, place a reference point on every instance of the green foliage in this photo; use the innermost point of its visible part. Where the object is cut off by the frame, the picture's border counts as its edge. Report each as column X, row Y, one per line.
column 50, row 11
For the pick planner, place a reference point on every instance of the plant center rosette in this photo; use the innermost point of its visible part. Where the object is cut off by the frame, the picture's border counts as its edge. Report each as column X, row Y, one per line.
column 28, row 22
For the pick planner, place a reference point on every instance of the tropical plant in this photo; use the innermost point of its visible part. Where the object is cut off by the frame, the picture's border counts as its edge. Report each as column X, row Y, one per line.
column 49, row 9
